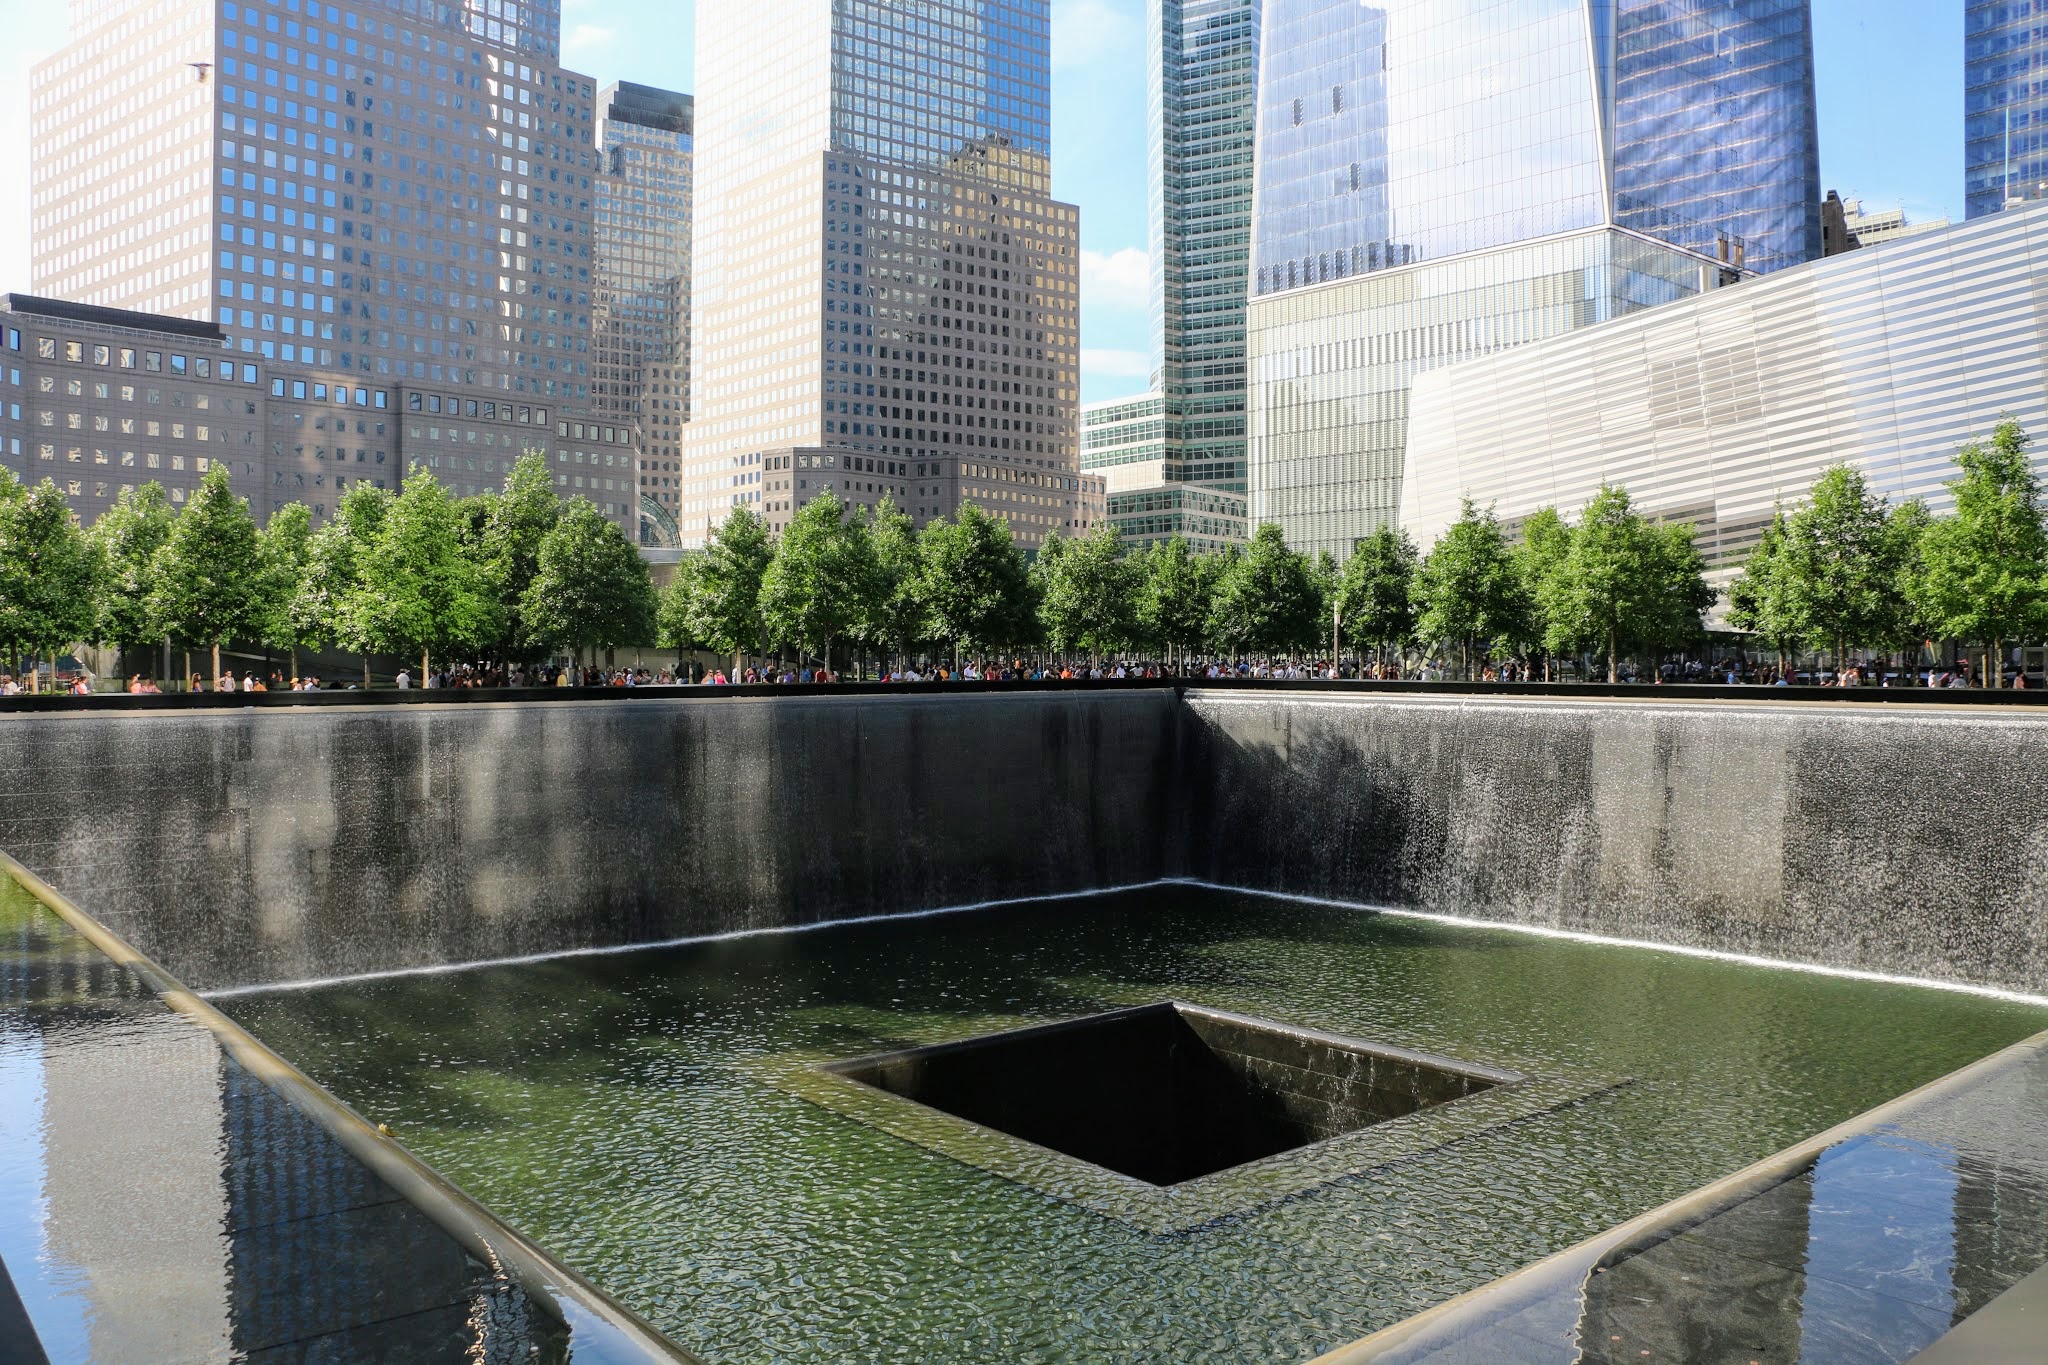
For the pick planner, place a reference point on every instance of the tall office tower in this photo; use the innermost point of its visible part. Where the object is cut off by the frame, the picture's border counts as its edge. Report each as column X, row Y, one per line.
column 641, row 300
column 1202, row 112
column 2005, row 105
column 886, row 291
column 1438, row 179
column 399, row 191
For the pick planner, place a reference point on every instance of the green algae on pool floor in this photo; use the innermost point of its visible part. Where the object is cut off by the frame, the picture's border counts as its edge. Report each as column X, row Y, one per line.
column 624, row 1110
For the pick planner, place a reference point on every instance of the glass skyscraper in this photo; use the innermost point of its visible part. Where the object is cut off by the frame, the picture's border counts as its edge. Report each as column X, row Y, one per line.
column 2005, row 104
column 887, row 295
column 640, row 303
column 1442, row 178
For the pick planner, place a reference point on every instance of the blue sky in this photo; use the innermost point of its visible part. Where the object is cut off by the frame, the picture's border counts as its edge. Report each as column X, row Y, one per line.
column 1891, row 101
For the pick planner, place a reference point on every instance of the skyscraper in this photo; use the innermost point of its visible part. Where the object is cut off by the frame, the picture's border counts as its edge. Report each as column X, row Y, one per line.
column 2005, row 105
column 1203, row 64
column 1438, row 179
column 395, row 196
column 886, row 294
column 640, row 305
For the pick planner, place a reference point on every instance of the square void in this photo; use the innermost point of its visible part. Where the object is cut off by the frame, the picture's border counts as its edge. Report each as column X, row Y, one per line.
column 1171, row 1093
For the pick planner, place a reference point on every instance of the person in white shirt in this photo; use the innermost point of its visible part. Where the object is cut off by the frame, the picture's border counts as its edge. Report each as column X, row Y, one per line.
column 403, row 680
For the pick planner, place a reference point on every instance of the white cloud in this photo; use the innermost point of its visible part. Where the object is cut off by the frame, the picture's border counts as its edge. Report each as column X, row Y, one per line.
column 1116, row 364
column 1118, row 279
column 1088, row 31
column 586, row 38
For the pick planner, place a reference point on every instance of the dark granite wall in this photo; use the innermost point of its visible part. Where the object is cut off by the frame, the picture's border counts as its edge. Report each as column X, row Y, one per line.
column 252, row 846
column 1902, row 841
column 246, row 846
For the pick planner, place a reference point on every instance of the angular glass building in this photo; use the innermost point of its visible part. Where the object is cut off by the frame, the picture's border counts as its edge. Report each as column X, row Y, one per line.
column 1443, row 178
column 2005, row 104
column 887, row 295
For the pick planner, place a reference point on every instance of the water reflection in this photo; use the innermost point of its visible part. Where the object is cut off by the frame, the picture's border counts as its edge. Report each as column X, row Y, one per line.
column 159, row 1203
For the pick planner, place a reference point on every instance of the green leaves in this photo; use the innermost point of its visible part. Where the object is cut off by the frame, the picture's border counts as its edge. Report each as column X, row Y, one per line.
column 822, row 583
column 1374, row 592
column 50, row 574
column 1467, row 589
column 420, row 590
column 1267, row 600
column 591, row 589
column 971, row 582
column 128, row 536
column 1620, row 577
column 725, row 604
column 209, row 581
column 1176, row 591
column 1087, row 592
column 1983, row 571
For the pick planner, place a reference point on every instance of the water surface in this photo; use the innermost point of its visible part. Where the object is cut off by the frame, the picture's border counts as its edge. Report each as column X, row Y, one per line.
column 619, row 1109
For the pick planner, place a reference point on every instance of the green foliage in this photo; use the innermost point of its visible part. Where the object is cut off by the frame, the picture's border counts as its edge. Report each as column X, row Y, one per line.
column 725, row 610
column 1267, row 600
column 674, row 612
column 821, row 584
column 422, row 591
column 1910, row 619
column 1175, row 591
column 516, row 521
column 1621, row 578
column 1374, row 593
column 1983, row 575
column 209, row 576
column 1087, row 592
column 50, row 574
column 287, row 548
column 1838, row 572
column 971, row 581
column 591, row 589
column 128, row 536
column 1467, row 590
column 335, row 603
column 1760, row 598
column 892, row 618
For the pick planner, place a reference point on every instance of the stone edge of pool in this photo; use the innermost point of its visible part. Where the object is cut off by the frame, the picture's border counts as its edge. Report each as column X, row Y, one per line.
column 598, row 1327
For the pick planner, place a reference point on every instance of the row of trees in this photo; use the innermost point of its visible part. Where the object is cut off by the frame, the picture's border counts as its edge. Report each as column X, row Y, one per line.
column 511, row 574
column 1849, row 570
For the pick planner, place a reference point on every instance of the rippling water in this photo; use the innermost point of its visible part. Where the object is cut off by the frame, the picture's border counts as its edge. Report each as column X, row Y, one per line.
column 613, row 1108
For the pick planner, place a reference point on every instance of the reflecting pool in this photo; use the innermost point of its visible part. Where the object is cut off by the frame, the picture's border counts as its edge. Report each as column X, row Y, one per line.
column 655, row 1118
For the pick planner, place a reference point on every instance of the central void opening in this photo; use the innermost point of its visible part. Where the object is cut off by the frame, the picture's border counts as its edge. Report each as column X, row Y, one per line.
column 1171, row 1092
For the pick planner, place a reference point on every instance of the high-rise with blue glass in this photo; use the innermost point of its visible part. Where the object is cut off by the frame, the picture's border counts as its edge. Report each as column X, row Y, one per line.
column 886, row 293
column 1438, row 179
column 1174, row 458
column 2005, row 104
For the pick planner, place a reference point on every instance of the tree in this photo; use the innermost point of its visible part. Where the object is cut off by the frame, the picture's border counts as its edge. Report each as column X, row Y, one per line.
column 1984, row 574
column 1838, row 578
column 128, row 536
column 892, row 618
column 1623, row 578
column 209, row 574
column 1466, row 588
column 335, row 603
column 1760, row 598
column 1174, row 595
column 516, row 521
column 1087, row 592
column 422, row 592
column 1267, row 600
column 971, row 581
column 287, row 546
column 591, row 589
column 726, row 610
column 818, row 587
column 674, row 612
column 1910, row 619
column 50, row 574
column 1374, row 594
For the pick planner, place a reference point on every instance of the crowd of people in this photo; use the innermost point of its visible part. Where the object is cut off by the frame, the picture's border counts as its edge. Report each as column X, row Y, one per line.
column 1730, row 671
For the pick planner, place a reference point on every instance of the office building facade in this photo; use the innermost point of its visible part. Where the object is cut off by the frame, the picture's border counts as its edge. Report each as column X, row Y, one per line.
column 1620, row 155
column 640, row 303
column 2005, row 105
column 386, row 195
column 886, row 295
column 1717, row 409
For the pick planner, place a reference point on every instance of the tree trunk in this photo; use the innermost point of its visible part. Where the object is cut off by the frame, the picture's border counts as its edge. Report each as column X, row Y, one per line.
column 216, row 665
column 188, row 670
column 1997, row 663
column 366, row 672
column 1612, row 675
column 295, row 663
